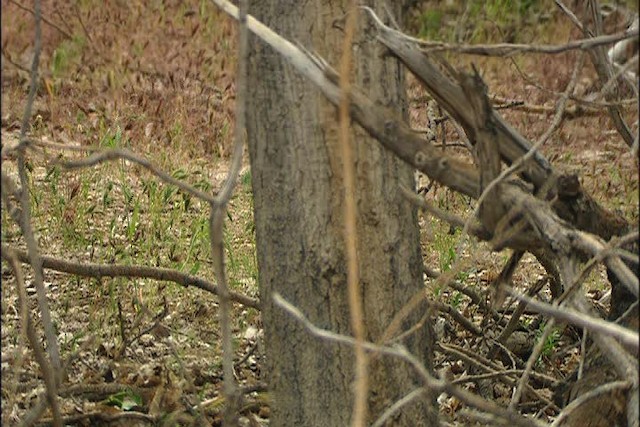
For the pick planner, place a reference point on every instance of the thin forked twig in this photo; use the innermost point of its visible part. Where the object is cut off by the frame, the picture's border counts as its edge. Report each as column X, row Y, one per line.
column 510, row 49
column 45, row 20
column 410, row 397
column 51, row 373
column 29, row 330
column 628, row 338
column 216, row 226
column 436, row 385
column 121, row 153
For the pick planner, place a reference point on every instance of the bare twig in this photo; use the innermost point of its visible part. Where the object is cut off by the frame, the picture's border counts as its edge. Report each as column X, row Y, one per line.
column 626, row 336
column 44, row 19
column 474, row 359
column 121, row 153
column 598, row 249
column 537, row 349
column 415, row 301
column 507, row 372
column 458, row 317
column 115, row 270
column 591, row 394
column 604, row 69
column 361, row 384
column 609, row 85
column 29, row 330
column 218, row 214
column 437, row 385
column 510, row 49
column 27, row 230
column 474, row 228
column 413, row 395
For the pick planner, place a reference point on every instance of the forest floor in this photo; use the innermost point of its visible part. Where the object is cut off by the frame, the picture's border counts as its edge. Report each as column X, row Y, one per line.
column 158, row 79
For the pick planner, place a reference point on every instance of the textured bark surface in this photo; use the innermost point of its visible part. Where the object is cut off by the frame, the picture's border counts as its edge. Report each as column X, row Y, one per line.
column 298, row 193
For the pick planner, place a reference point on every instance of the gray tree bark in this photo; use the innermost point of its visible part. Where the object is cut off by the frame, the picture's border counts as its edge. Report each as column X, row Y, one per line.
column 298, row 197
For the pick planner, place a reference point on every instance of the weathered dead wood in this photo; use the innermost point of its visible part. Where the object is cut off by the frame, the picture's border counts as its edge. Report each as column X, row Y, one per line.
column 451, row 96
column 555, row 232
column 114, row 270
column 482, row 122
column 382, row 123
column 605, row 73
column 491, row 210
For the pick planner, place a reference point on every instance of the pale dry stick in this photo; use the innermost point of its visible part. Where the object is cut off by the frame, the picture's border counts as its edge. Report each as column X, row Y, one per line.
column 40, row 406
column 626, row 255
column 628, row 238
column 9, row 188
column 604, row 69
column 625, row 364
column 555, row 123
column 26, row 226
column 577, row 99
column 218, row 214
column 505, row 373
column 475, row 228
column 583, row 352
column 515, row 317
column 397, row 405
column 510, row 49
column 474, row 359
column 45, row 20
column 552, row 229
column 361, row 382
column 458, row 317
column 61, row 146
column 473, row 296
column 537, row 350
column 122, row 153
column 515, row 166
column 25, row 325
column 593, row 245
column 414, row 328
column 481, row 417
column 623, row 359
column 418, row 298
column 400, row 352
column 630, row 311
column 115, row 270
column 591, row 394
column 573, row 18
column 628, row 338
column 38, row 352
column 606, row 88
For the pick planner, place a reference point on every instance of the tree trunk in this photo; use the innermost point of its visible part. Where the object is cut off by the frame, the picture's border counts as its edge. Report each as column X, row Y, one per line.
column 298, row 198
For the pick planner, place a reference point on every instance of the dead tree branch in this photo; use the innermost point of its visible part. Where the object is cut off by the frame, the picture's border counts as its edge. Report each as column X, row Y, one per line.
column 437, row 385
column 216, row 228
column 52, row 375
column 114, row 270
column 122, row 153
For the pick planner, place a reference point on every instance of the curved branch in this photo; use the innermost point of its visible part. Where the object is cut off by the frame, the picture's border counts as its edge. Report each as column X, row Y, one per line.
column 109, row 270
